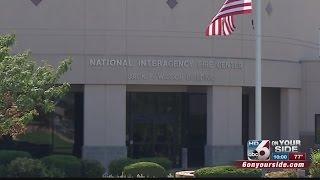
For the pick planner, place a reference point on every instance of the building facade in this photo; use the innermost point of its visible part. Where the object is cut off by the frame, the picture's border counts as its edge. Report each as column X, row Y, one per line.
column 147, row 82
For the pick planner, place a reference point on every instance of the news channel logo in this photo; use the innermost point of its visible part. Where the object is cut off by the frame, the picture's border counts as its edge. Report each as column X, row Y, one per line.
column 274, row 150
column 258, row 150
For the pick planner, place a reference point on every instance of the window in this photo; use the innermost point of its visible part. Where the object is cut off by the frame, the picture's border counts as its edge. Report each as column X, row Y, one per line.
column 60, row 132
column 317, row 129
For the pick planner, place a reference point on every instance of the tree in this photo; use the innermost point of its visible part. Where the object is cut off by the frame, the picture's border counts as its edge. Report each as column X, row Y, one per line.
column 26, row 87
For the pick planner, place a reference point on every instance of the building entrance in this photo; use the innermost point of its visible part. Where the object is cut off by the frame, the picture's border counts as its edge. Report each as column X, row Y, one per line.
column 161, row 124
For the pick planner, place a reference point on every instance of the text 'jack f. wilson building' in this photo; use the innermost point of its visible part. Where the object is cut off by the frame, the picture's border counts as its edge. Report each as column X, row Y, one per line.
column 147, row 82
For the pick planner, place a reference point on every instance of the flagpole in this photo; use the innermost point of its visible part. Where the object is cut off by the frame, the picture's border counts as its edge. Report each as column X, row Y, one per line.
column 258, row 123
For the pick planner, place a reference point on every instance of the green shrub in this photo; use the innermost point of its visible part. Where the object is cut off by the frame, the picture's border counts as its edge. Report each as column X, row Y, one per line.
column 6, row 156
column 162, row 161
column 55, row 172
column 116, row 166
column 146, row 169
column 315, row 164
column 227, row 171
column 92, row 169
column 69, row 165
column 282, row 174
column 314, row 170
column 26, row 167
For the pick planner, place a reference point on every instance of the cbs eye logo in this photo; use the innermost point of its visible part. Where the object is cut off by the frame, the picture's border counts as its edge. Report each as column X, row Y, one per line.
column 258, row 150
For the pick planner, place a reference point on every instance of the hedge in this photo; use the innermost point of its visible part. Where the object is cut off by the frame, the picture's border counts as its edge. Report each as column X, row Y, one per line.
column 314, row 169
column 116, row 167
column 92, row 169
column 6, row 156
column 282, row 174
column 69, row 165
column 164, row 162
column 227, row 171
column 57, row 166
column 146, row 169
column 26, row 167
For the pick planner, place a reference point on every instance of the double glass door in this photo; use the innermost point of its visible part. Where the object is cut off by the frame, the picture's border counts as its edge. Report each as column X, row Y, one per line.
column 154, row 125
column 161, row 124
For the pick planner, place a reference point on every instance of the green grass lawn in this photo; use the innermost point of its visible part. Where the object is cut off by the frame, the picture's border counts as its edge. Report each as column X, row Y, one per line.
column 46, row 138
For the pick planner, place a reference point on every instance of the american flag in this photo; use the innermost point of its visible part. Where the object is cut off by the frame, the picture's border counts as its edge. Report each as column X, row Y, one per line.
column 223, row 22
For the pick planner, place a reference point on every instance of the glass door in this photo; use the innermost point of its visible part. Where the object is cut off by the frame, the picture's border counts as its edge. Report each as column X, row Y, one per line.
column 154, row 125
